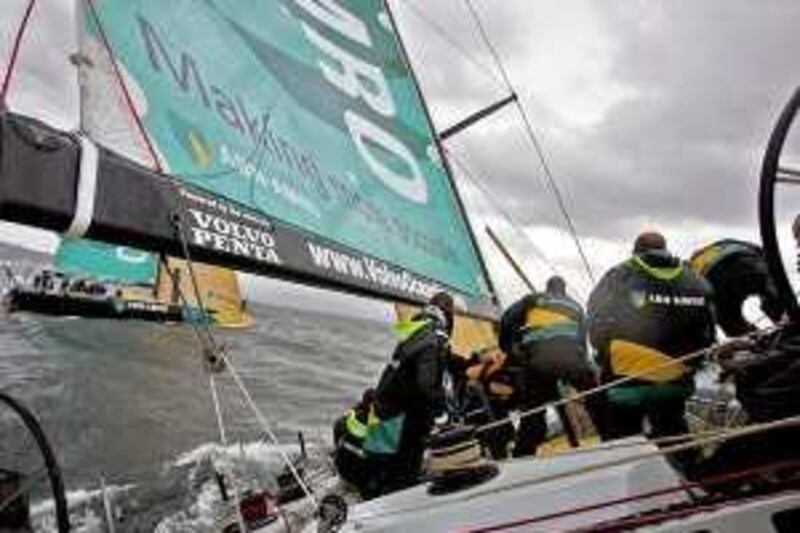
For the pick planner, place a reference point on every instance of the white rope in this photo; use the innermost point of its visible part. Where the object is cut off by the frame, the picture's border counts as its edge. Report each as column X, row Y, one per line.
column 223, row 438
column 219, row 352
column 87, row 188
column 611, row 384
column 266, row 427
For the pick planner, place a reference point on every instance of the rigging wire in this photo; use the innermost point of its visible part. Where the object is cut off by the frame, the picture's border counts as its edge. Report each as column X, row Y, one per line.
column 505, row 213
column 208, row 340
column 445, row 35
column 223, row 438
column 220, row 353
column 12, row 61
column 551, row 181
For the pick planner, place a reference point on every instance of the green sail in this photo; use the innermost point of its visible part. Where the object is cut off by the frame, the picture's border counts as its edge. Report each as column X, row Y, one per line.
column 82, row 257
column 257, row 102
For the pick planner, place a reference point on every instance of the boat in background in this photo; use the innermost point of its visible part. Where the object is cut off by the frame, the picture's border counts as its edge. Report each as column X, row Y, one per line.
column 96, row 280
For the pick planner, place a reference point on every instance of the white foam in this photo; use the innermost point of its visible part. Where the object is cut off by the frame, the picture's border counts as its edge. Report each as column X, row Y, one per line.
column 82, row 518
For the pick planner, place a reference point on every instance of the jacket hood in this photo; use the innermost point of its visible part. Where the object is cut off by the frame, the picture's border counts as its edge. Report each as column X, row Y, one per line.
column 659, row 259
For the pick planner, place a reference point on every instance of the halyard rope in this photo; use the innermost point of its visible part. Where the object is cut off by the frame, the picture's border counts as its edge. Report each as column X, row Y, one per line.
column 234, row 374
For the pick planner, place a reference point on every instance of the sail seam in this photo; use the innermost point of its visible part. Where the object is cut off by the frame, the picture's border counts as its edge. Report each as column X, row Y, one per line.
column 87, row 189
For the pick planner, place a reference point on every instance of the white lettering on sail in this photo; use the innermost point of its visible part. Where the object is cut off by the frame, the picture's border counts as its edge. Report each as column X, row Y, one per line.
column 370, row 270
column 353, row 76
column 130, row 255
column 338, row 18
column 411, row 185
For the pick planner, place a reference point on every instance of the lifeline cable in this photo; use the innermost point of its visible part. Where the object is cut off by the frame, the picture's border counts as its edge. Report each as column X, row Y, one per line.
column 611, row 384
column 700, row 484
column 12, row 61
column 536, row 145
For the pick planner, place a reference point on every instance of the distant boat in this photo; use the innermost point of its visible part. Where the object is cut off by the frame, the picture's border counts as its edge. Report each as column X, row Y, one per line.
column 97, row 280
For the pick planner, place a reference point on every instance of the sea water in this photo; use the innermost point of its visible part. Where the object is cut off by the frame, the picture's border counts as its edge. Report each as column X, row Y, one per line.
column 129, row 403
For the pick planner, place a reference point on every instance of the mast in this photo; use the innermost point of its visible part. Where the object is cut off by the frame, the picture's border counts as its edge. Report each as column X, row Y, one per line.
column 443, row 157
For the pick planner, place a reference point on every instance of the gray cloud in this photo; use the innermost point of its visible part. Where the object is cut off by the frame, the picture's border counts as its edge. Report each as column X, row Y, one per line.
column 703, row 83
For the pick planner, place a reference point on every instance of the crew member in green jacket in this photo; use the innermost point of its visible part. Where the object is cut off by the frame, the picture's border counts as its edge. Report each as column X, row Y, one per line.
column 642, row 314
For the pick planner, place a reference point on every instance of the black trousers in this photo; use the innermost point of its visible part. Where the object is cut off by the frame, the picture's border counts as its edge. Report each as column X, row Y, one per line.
column 544, row 364
column 666, row 414
column 665, row 418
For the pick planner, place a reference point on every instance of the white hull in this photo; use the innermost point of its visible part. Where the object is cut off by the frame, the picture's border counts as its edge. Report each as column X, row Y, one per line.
column 515, row 495
column 515, row 501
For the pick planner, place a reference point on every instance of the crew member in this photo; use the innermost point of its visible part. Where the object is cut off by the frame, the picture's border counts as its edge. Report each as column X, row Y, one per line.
column 642, row 314
column 545, row 336
column 410, row 393
column 487, row 395
column 737, row 271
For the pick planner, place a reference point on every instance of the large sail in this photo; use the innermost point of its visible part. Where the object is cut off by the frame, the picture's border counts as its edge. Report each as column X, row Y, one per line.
column 303, row 122
column 108, row 262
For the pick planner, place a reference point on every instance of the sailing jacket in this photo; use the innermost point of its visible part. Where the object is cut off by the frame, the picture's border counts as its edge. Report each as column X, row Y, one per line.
column 736, row 271
column 541, row 317
column 645, row 311
column 412, row 383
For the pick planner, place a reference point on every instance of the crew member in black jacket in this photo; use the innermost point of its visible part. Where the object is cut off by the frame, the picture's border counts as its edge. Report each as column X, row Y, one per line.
column 643, row 313
column 545, row 336
column 737, row 271
column 411, row 388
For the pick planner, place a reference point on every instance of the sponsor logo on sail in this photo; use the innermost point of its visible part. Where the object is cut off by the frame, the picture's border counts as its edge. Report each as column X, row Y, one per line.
column 222, row 227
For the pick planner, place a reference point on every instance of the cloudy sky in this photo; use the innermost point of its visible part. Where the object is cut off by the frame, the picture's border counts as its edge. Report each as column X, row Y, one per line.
column 652, row 114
